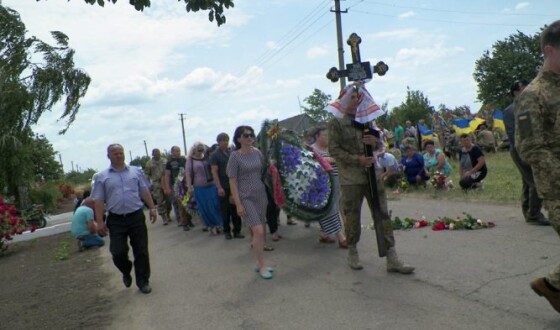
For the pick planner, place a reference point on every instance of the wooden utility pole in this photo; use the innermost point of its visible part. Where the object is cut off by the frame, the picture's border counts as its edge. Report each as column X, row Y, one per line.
column 146, row 147
column 183, row 128
column 339, row 43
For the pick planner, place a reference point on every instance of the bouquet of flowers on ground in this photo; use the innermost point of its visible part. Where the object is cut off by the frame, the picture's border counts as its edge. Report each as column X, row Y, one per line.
column 440, row 182
column 468, row 222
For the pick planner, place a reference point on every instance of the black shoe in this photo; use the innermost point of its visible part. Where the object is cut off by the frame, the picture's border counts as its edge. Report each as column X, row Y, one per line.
column 127, row 280
column 228, row 236
column 539, row 222
column 186, row 228
column 145, row 288
column 238, row 235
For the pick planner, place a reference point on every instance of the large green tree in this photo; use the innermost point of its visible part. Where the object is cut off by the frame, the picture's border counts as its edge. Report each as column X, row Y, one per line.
column 316, row 103
column 516, row 57
column 415, row 107
column 34, row 77
column 215, row 8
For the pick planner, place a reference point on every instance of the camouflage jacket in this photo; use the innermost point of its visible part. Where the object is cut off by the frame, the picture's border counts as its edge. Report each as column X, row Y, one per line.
column 345, row 145
column 155, row 169
column 537, row 131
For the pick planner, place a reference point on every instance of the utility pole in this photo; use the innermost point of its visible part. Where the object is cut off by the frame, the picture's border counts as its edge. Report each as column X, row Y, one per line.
column 146, row 147
column 130, row 153
column 59, row 155
column 337, row 12
column 184, row 139
column 72, row 162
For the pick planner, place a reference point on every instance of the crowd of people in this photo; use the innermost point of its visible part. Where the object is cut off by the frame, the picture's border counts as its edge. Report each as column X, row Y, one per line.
column 225, row 188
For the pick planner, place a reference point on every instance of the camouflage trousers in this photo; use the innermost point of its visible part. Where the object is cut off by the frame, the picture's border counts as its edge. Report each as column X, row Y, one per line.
column 351, row 199
column 553, row 208
column 163, row 205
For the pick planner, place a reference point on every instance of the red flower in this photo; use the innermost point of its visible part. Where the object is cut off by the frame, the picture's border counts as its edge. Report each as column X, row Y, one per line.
column 438, row 226
column 422, row 223
column 33, row 228
column 491, row 224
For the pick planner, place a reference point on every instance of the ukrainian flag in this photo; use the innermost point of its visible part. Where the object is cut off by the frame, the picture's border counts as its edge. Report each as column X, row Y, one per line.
column 425, row 133
column 461, row 126
column 466, row 126
column 475, row 122
column 498, row 118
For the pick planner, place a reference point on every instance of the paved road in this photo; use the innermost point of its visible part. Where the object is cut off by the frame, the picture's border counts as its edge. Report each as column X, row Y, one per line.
column 464, row 279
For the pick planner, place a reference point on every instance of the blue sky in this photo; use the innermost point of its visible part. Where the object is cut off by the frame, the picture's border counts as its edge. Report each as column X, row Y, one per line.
column 147, row 67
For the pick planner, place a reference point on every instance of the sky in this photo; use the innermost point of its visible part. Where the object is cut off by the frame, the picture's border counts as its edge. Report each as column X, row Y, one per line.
column 149, row 67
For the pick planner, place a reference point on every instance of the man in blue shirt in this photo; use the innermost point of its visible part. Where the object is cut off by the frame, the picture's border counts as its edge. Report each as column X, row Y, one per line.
column 83, row 226
column 120, row 189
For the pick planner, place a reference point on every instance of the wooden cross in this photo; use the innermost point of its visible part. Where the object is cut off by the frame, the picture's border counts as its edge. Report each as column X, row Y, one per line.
column 357, row 70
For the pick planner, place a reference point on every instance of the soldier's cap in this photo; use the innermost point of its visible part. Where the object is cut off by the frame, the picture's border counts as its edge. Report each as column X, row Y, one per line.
column 517, row 85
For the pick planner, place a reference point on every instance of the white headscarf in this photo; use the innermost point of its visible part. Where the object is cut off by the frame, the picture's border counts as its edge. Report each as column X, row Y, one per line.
column 367, row 110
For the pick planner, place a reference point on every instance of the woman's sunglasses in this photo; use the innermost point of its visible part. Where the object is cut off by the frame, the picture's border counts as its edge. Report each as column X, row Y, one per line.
column 248, row 135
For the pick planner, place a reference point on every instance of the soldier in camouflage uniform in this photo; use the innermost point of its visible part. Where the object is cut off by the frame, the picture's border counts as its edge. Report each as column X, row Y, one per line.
column 155, row 168
column 346, row 144
column 537, row 132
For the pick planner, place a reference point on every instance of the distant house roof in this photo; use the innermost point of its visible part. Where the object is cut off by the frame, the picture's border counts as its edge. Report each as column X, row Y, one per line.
column 298, row 124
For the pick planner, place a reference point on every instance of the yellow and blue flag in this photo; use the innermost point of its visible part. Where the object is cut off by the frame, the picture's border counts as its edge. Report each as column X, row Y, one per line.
column 461, row 126
column 498, row 118
column 425, row 133
column 466, row 126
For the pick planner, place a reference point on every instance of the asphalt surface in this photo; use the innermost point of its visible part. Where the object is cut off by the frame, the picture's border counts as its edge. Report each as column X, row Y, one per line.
column 464, row 279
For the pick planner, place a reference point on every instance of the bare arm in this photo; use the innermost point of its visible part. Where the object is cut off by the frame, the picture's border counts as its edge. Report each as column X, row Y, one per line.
column 235, row 196
column 216, row 178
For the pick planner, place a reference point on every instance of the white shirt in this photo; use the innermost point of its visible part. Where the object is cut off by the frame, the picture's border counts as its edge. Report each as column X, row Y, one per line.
column 386, row 160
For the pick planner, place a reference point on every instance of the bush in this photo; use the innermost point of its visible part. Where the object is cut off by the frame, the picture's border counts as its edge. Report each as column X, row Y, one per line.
column 46, row 194
column 66, row 190
column 10, row 224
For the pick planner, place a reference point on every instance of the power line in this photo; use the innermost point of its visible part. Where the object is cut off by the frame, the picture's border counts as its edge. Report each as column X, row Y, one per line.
column 443, row 21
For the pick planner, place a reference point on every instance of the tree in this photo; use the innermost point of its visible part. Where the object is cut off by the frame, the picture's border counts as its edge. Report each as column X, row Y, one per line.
column 140, row 161
column 215, row 7
column 317, row 102
column 45, row 165
column 415, row 107
column 80, row 178
column 34, row 76
column 517, row 57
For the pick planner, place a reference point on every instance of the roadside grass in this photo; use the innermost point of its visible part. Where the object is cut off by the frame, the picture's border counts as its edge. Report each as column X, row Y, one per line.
column 62, row 252
column 502, row 184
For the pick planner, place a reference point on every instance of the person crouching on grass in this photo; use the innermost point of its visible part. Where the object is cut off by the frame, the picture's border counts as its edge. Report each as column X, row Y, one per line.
column 83, row 226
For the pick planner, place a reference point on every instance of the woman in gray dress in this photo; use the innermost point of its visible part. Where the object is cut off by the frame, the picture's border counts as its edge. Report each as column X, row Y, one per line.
column 244, row 170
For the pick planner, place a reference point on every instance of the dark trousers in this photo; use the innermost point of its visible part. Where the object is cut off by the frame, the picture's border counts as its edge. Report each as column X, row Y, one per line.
column 530, row 202
column 467, row 182
column 132, row 226
column 272, row 214
column 229, row 214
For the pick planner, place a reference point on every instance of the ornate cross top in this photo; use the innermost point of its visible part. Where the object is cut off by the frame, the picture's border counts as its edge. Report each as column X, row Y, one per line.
column 357, row 70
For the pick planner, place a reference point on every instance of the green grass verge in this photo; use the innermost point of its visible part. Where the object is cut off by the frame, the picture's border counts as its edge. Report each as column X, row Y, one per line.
column 502, row 184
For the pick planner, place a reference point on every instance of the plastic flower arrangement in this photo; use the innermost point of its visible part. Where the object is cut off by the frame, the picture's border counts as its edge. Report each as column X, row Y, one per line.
column 305, row 181
column 10, row 224
column 440, row 182
column 297, row 177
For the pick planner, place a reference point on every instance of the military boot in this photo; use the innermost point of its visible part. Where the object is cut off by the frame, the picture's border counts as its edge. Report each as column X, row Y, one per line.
column 394, row 265
column 353, row 258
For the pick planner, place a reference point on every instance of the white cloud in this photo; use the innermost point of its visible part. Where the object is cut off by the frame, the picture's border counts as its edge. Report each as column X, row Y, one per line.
column 521, row 5
column 407, row 14
column 271, row 45
column 316, row 52
column 400, row 34
column 421, row 56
